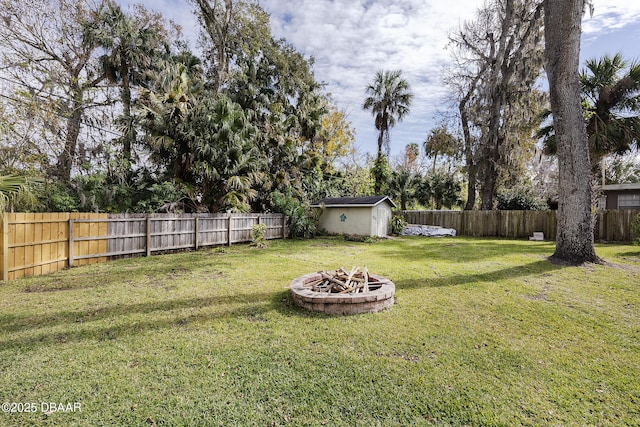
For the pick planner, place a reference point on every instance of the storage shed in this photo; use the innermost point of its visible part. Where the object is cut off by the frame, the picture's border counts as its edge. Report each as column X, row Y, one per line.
column 362, row 216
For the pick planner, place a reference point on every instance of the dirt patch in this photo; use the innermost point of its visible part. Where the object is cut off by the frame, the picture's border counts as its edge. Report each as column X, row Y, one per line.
column 403, row 356
column 253, row 317
column 540, row 296
column 45, row 288
column 625, row 267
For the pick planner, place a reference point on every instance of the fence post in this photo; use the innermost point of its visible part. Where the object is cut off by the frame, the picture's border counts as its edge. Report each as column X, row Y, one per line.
column 284, row 226
column 5, row 247
column 195, row 232
column 229, row 230
column 148, row 235
column 71, row 227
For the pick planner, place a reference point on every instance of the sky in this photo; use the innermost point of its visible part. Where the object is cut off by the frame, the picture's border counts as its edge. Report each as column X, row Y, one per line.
column 351, row 39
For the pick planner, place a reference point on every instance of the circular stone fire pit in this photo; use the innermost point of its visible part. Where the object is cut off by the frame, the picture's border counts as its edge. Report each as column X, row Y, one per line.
column 378, row 297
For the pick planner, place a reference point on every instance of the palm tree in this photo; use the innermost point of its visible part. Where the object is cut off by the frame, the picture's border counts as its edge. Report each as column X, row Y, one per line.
column 389, row 100
column 442, row 188
column 402, row 186
column 130, row 43
column 440, row 141
column 228, row 160
column 164, row 111
column 12, row 186
column 610, row 90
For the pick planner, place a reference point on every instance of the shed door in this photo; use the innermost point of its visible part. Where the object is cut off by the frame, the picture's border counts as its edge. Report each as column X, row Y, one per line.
column 382, row 221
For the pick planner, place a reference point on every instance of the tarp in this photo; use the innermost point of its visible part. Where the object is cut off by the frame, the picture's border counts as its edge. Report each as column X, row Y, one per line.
column 427, row 230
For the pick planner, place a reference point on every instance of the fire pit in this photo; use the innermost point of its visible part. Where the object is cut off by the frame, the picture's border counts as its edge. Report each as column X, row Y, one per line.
column 343, row 292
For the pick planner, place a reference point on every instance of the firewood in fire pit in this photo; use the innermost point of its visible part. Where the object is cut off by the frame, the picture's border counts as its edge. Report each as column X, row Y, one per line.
column 342, row 282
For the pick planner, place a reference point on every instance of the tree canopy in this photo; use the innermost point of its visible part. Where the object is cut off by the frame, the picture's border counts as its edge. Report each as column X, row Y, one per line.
column 118, row 111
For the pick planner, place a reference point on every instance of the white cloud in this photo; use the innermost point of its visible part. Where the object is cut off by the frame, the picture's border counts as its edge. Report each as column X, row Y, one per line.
column 610, row 15
column 351, row 39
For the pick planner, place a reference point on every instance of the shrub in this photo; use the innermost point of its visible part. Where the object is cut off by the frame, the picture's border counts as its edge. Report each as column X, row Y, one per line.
column 302, row 221
column 635, row 229
column 258, row 231
column 519, row 199
column 398, row 223
column 58, row 198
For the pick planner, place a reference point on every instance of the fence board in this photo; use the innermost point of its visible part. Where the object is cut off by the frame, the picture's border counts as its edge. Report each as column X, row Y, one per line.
column 4, row 248
column 28, row 242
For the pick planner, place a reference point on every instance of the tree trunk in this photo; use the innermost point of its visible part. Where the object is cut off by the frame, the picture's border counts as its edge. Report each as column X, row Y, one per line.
column 67, row 157
column 490, row 173
column 468, row 150
column 377, row 185
column 380, row 142
column 471, row 186
column 574, row 238
column 488, row 185
column 435, row 158
column 130, row 134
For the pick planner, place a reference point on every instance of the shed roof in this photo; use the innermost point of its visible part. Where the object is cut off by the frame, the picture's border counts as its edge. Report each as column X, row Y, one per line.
column 620, row 187
column 350, row 202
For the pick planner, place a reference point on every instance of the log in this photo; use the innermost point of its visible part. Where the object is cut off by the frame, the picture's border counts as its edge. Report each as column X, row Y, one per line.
column 313, row 284
column 352, row 289
column 365, row 274
column 333, row 279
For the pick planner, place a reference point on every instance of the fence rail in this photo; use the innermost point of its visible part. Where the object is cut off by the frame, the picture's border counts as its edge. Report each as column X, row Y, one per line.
column 36, row 244
column 611, row 225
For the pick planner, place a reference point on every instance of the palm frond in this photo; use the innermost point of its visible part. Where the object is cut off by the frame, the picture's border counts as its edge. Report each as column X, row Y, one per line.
column 14, row 186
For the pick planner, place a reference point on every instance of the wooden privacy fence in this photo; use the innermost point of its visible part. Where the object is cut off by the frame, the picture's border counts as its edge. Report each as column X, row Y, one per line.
column 35, row 244
column 612, row 225
column 615, row 225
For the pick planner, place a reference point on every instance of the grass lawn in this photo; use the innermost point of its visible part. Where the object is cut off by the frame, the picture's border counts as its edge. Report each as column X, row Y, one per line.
column 483, row 332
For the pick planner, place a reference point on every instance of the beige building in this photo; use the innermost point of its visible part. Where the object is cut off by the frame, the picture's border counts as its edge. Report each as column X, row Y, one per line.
column 362, row 216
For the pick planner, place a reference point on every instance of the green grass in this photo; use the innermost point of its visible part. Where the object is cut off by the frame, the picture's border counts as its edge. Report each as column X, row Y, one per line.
column 483, row 332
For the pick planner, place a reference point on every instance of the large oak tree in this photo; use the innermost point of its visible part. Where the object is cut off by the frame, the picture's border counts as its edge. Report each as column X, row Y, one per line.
column 53, row 66
column 574, row 240
column 498, row 57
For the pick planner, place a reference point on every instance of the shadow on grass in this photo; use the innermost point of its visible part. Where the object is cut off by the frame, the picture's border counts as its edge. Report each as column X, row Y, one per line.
column 538, row 267
column 133, row 270
column 635, row 253
column 283, row 304
column 112, row 321
column 33, row 331
column 252, row 305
